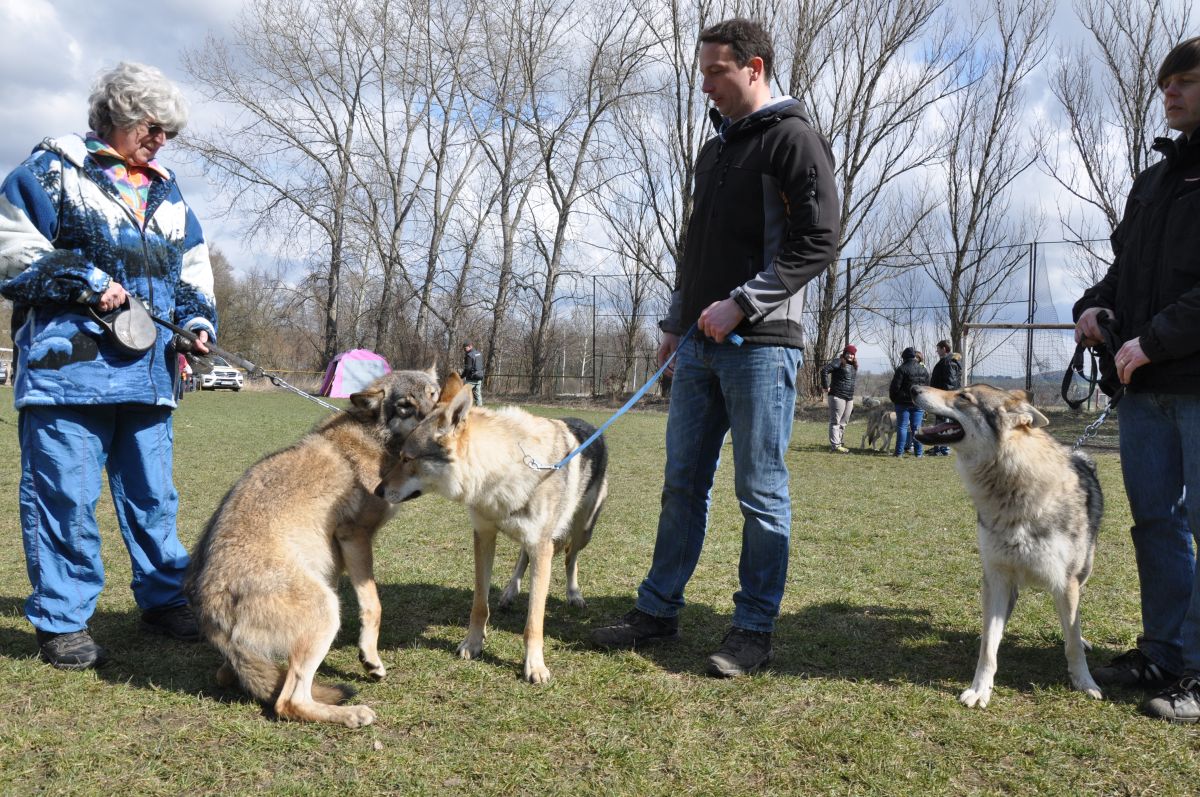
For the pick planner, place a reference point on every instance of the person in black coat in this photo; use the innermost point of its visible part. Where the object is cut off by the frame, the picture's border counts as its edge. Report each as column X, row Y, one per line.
column 837, row 380
column 947, row 375
column 908, row 374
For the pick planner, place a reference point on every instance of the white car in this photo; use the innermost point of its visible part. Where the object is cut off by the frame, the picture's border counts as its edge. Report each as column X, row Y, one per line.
column 223, row 375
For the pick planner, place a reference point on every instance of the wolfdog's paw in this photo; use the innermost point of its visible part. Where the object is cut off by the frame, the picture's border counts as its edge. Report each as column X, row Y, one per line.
column 576, row 599
column 226, row 675
column 374, row 669
column 976, row 697
column 537, row 673
column 507, row 597
column 357, row 716
column 470, row 648
column 1086, row 684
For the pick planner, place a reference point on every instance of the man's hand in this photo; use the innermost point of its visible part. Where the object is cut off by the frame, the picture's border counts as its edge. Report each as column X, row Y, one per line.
column 1087, row 328
column 114, row 296
column 201, row 338
column 1129, row 359
column 720, row 318
column 670, row 342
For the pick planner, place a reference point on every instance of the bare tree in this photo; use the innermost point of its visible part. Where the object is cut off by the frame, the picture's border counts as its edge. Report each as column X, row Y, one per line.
column 986, row 150
column 390, row 167
column 573, row 92
column 294, row 79
column 495, row 77
column 1108, row 91
column 870, row 72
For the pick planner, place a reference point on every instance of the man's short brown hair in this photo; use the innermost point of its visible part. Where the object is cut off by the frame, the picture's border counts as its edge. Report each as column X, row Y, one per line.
column 1183, row 56
column 747, row 38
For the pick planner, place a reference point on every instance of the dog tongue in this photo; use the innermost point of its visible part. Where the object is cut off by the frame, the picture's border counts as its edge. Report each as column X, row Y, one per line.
column 950, row 432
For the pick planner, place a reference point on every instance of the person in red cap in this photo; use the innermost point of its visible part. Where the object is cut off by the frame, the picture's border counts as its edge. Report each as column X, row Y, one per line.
column 837, row 380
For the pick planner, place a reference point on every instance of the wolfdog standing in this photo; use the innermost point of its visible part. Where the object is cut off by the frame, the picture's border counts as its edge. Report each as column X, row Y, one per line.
column 479, row 457
column 1039, row 508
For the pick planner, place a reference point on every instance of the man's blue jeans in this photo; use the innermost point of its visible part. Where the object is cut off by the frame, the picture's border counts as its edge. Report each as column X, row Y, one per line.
column 1160, row 456
column 751, row 392
column 64, row 451
column 908, row 421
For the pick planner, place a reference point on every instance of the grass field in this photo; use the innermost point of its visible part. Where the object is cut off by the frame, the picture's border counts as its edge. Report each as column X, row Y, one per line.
column 878, row 634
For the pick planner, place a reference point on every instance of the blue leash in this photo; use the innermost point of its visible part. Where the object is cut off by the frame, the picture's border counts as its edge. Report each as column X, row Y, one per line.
column 733, row 338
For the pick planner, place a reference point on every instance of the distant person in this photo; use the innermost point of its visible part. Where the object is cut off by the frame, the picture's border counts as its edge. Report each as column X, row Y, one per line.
column 907, row 375
column 837, row 381
column 89, row 225
column 947, row 375
column 764, row 224
column 1151, row 292
column 472, row 372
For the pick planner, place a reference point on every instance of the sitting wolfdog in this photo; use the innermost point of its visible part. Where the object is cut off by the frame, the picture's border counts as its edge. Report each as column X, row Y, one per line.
column 1038, row 506
column 481, row 458
column 263, row 576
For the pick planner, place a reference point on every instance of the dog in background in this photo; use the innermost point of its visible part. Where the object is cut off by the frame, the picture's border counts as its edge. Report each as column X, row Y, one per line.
column 881, row 423
column 1039, row 507
column 479, row 457
column 263, row 577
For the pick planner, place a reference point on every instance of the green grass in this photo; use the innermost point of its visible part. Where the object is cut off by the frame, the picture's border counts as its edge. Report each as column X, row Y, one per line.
column 878, row 634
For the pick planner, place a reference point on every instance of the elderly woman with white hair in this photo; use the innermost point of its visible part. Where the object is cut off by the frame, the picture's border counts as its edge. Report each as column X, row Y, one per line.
column 90, row 226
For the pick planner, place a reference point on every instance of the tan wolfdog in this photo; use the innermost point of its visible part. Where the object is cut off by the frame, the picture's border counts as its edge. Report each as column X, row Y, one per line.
column 1038, row 507
column 480, row 458
column 263, row 576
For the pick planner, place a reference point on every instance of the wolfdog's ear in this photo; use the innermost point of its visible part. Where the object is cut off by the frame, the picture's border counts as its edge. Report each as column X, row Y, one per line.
column 453, row 414
column 431, row 371
column 450, row 388
column 1025, row 414
column 368, row 399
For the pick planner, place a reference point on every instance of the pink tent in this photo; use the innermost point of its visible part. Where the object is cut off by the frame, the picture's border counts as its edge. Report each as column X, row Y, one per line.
column 352, row 371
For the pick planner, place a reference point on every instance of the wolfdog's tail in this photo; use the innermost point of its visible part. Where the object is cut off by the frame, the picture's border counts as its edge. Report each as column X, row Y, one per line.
column 263, row 679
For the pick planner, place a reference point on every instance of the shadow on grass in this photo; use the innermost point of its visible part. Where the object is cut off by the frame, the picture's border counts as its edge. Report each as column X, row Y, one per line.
column 832, row 640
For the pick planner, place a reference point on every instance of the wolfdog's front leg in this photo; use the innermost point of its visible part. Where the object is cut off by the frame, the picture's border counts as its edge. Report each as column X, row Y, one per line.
column 485, row 554
column 539, row 586
column 998, row 598
column 1067, row 604
column 357, row 554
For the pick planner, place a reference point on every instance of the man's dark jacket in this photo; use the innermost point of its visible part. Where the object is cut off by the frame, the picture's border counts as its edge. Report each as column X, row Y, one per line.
column 909, row 374
column 838, row 378
column 472, row 366
column 765, row 222
column 1153, row 285
column 947, row 373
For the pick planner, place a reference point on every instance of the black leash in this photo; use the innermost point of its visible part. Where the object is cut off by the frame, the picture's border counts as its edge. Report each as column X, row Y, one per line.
column 1103, row 373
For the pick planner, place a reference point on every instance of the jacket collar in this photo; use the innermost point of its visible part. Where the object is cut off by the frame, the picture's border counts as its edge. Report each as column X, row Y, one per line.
column 775, row 109
column 1180, row 151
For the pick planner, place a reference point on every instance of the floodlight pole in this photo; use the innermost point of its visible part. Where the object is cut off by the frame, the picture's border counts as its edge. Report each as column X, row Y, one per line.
column 1032, row 311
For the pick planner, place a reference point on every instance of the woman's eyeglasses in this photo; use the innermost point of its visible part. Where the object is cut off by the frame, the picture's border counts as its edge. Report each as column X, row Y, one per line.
column 154, row 130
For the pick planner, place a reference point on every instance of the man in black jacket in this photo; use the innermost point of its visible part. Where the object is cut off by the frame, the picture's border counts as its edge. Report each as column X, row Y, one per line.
column 764, row 223
column 1152, row 291
column 472, row 372
column 837, row 380
column 947, row 375
column 907, row 375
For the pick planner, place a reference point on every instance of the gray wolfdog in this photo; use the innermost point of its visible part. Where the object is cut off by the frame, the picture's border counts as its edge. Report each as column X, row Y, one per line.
column 881, row 423
column 1039, row 508
column 479, row 458
column 263, row 576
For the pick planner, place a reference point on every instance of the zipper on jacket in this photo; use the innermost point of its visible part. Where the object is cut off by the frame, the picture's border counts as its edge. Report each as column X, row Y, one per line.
column 141, row 228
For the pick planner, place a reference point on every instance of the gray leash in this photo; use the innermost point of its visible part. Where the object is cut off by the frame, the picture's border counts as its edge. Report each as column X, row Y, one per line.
column 1093, row 428
column 237, row 359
